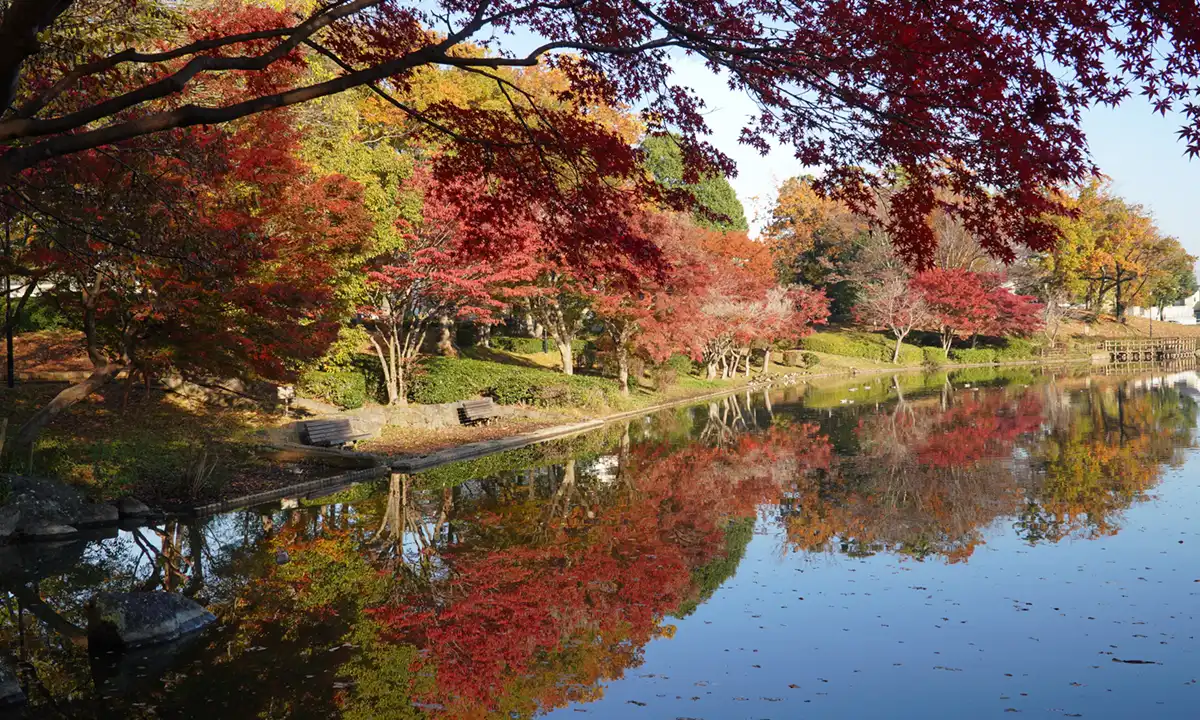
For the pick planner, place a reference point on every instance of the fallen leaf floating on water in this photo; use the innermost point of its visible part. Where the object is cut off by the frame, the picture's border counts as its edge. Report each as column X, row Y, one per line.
column 1136, row 662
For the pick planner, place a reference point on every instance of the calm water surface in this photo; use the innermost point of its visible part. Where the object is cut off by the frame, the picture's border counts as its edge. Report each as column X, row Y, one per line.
column 972, row 545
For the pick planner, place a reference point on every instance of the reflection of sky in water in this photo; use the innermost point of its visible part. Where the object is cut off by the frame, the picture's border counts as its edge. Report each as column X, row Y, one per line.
column 1035, row 629
column 1017, row 627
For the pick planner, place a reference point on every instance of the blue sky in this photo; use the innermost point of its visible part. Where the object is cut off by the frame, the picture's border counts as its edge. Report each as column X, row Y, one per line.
column 1136, row 148
column 1142, row 154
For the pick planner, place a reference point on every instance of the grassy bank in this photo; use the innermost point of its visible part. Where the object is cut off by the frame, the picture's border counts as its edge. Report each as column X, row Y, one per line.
column 168, row 450
column 155, row 446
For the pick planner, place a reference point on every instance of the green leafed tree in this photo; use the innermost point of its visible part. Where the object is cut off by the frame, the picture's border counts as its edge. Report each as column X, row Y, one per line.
column 717, row 205
column 1177, row 283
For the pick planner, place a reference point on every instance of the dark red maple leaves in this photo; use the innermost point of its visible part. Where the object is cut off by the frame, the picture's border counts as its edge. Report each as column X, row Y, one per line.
column 975, row 100
column 962, row 303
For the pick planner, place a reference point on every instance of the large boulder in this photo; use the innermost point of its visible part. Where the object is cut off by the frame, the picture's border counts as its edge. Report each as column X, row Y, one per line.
column 40, row 517
column 131, row 507
column 10, row 688
column 47, row 530
column 137, row 619
column 45, row 509
column 10, row 517
column 97, row 515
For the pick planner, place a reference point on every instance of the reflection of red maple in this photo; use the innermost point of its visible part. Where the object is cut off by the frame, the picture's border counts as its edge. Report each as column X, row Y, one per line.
column 983, row 426
column 928, row 478
column 502, row 611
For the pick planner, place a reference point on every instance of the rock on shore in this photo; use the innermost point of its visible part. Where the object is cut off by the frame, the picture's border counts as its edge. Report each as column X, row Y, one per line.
column 137, row 619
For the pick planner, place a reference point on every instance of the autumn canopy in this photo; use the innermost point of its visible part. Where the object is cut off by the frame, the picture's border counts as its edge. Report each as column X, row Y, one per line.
column 981, row 98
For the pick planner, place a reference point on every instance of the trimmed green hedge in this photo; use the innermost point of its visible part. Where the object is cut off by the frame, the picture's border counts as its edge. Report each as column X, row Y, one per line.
column 367, row 365
column 531, row 346
column 871, row 346
column 973, row 356
column 680, row 363
column 343, row 388
column 444, row 380
column 798, row 359
column 933, row 355
column 1016, row 349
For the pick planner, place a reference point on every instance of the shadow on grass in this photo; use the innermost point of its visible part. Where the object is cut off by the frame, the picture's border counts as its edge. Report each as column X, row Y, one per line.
column 505, row 358
column 501, row 357
column 159, row 447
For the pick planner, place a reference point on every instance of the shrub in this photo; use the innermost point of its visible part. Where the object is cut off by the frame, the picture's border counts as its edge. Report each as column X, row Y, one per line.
column 871, row 346
column 1016, row 349
column 346, row 389
column 605, row 361
column 532, row 346
column 467, row 334
column 39, row 314
column 637, row 369
column 444, row 380
column 523, row 346
column 973, row 356
column 664, row 377
column 588, row 356
column 799, row 359
column 369, row 367
column 933, row 355
column 680, row 363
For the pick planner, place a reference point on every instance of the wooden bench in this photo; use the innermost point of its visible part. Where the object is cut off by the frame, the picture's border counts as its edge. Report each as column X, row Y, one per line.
column 478, row 411
column 329, row 433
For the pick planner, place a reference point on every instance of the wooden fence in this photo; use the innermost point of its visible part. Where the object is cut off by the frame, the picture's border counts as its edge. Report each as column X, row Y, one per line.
column 1165, row 349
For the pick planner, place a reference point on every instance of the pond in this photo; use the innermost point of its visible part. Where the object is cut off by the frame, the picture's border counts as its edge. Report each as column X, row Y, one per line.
column 967, row 545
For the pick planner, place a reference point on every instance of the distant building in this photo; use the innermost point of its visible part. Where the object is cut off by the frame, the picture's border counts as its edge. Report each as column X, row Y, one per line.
column 1182, row 312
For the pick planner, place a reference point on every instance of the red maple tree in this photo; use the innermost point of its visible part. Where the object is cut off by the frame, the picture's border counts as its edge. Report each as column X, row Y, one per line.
column 1011, row 314
column 446, row 270
column 211, row 252
column 957, row 301
column 951, row 95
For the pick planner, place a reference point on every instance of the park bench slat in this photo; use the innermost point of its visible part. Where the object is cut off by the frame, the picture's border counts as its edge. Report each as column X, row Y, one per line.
column 329, row 433
column 474, row 411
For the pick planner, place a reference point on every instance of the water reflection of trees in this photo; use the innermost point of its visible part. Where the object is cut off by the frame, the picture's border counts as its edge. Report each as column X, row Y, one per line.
column 545, row 596
column 930, row 475
column 1111, row 452
column 513, row 586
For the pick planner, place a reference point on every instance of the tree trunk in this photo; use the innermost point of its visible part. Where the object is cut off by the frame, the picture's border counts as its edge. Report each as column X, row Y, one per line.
column 445, row 343
column 623, row 368
column 766, row 361
column 528, row 323
column 389, row 370
column 947, row 341
column 99, row 378
column 712, row 370
column 401, row 390
column 1120, row 310
column 564, row 352
column 896, row 352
